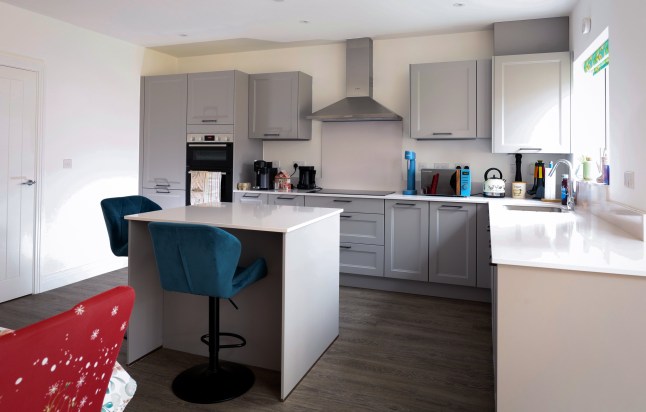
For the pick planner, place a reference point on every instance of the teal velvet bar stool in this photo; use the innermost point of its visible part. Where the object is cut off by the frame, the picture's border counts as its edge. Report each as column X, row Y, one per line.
column 114, row 209
column 203, row 260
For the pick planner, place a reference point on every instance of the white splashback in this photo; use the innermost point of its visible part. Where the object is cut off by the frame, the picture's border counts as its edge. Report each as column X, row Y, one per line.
column 361, row 155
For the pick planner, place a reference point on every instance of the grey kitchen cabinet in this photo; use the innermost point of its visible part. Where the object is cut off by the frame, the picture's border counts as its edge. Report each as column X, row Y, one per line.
column 362, row 233
column 286, row 199
column 483, row 246
column 250, row 198
column 406, row 239
column 531, row 98
column 165, row 198
column 211, row 98
column 278, row 106
column 163, row 132
column 450, row 100
column 452, row 243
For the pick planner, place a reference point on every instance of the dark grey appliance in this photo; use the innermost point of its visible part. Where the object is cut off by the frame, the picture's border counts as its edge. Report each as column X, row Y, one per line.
column 210, row 153
column 264, row 173
column 306, row 178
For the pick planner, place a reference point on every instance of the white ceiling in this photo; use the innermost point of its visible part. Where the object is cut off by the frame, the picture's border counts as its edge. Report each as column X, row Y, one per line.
column 198, row 27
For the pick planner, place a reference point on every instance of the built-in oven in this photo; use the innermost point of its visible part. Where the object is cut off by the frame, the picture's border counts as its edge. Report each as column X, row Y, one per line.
column 210, row 153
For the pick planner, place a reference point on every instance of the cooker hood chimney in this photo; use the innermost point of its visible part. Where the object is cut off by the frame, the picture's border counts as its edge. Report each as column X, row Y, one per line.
column 359, row 105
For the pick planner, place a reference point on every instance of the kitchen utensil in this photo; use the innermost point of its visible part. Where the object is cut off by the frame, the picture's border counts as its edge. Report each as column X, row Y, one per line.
column 495, row 186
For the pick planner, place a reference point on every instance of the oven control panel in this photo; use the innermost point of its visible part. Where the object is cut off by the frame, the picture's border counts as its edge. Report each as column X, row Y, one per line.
column 209, row 138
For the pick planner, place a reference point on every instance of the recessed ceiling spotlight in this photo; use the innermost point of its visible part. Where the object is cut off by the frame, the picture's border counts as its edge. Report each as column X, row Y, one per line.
column 183, row 35
column 459, row 4
column 304, row 21
column 279, row 1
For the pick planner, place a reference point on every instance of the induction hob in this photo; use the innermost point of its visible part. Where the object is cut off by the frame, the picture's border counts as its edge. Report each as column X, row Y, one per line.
column 352, row 192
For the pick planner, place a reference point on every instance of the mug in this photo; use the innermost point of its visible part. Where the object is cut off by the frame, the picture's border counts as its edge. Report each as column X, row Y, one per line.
column 244, row 186
column 518, row 190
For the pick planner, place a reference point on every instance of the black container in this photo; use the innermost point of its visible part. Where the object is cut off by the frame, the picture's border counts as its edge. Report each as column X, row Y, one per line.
column 306, row 178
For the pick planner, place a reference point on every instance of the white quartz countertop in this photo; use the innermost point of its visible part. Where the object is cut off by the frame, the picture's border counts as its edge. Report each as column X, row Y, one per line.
column 394, row 196
column 265, row 218
column 568, row 241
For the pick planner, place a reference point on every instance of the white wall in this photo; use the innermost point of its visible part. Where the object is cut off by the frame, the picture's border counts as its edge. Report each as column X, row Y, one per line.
column 392, row 57
column 627, row 83
column 91, row 115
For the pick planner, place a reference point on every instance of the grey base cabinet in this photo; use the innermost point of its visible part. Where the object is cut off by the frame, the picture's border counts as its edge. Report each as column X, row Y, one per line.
column 406, row 231
column 253, row 198
column 286, row 199
column 452, row 243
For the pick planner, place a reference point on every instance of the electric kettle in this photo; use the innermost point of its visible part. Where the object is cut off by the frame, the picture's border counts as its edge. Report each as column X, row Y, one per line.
column 494, row 187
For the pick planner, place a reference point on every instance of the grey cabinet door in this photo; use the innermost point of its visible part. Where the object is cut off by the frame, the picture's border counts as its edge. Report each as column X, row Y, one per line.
column 483, row 97
column 286, row 199
column 406, row 248
column 211, row 98
column 278, row 104
column 452, row 243
column 443, row 100
column 163, row 132
column 361, row 259
column 483, row 247
column 167, row 199
column 253, row 198
column 348, row 204
column 364, row 228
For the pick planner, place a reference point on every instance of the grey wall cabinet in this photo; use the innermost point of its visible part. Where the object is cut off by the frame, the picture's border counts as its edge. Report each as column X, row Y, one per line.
column 531, row 96
column 211, row 98
column 406, row 240
column 362, row 233
column 252, row 198
column 278, row 105
column 450, row 100
column 452, row 243
column 163, row 133
column 286, row 199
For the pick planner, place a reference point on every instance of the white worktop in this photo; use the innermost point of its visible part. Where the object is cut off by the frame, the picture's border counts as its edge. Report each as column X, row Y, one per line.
column 568, row 241
column 264, row 218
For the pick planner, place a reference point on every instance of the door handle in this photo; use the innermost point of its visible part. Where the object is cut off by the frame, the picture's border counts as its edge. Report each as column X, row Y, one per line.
column 29, row 182
column 404, row 204
column 346, row 216
column 271, row 134
column 345, row 247
column 342, row 201
column 450, row 207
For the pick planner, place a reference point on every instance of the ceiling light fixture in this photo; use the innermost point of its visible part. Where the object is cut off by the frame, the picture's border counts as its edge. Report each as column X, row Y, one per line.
column 459, row 4
column 304, row 21
column 183, row 35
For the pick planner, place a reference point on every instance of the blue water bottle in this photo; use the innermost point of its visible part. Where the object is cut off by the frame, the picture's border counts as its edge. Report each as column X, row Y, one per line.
column 410, row 175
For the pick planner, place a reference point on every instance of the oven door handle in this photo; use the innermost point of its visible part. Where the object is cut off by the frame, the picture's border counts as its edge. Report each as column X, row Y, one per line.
column 207, row 145
column 222, row 173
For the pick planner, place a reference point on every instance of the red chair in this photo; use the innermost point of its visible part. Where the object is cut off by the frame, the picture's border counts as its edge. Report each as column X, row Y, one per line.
column 65, row 362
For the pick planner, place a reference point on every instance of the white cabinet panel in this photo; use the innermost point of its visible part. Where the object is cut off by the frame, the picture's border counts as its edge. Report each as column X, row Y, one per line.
column 532, row 103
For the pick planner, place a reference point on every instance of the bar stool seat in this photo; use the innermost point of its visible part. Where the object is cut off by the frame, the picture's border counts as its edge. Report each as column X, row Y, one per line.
column 203, row 260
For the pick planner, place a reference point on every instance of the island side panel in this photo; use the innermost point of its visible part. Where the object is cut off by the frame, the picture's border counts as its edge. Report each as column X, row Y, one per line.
column 570, row 340
column 258, row 318
column 145, row 328
column 310, row 298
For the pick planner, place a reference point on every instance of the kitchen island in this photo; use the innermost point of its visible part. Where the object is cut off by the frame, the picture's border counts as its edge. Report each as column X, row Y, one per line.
column 289, row 318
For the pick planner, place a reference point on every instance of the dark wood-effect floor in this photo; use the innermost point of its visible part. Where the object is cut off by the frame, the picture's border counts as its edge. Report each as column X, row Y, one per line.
column 395, row 352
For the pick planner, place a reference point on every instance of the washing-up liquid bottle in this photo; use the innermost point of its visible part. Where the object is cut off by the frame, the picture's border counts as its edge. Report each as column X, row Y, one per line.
column 564, row 184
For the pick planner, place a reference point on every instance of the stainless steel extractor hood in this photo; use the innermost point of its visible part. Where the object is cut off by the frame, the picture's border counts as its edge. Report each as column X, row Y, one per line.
column 359, row 105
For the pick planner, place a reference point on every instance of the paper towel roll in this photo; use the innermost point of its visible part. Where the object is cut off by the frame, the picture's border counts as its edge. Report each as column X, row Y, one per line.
column 550, row 185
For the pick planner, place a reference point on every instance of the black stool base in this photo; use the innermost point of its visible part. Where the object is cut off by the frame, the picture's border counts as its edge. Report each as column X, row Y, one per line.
column 198, row 385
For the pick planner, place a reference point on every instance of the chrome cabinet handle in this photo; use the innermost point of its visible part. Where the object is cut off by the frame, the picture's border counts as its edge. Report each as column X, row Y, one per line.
column 162, row 191
column 342, row 201
column 209, row 121
column 346, row 216
column 29, row 182
column 207, row 145
column 254, row 196
column 450, row 207
column 271, row 134
column 345, row 247
column 531, row 149
column 286, row 197
column 404, row 204
column 442, row 133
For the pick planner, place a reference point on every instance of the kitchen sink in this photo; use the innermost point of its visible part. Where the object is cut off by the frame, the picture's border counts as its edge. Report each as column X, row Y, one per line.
column 524, row 208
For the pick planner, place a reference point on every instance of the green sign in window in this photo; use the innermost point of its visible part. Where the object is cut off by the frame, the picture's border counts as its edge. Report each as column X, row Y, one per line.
column 598, row 60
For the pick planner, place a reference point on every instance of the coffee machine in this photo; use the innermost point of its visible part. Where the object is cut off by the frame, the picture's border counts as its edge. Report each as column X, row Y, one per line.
column 306, row 178
column 264, row 175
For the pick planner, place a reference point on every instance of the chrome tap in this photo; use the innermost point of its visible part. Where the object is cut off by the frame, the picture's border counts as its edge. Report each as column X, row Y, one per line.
column 570, row 183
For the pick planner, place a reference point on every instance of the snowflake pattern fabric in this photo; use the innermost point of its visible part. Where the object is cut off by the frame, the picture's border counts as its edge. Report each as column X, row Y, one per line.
column 68, row 362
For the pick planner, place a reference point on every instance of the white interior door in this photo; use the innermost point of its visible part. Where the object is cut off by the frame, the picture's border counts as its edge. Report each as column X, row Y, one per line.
column 18, row 108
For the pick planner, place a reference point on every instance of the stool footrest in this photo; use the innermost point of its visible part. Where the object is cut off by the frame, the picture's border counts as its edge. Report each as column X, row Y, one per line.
column 243, row 341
